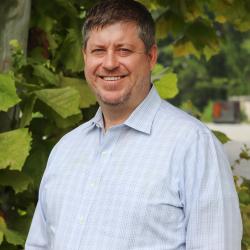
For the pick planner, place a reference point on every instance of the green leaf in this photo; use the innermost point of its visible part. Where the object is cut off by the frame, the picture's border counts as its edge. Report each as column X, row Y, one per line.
column 70, row 53
column 45, row 75
column 2, row 228
column 207, row 112
column 27, row 110
column 158, row 69
column 8, row 96
column 245, row 155
column 193, row 11
column 14, row 237
column 36, row 161
column 58, row 120
column 14, row 148
column 203, row 37
column 64, row 101
column 87, row 97
column 1, row 237
column 184, row 47
column 235, row 12
column 169, row 22
column 167, row 85
column 221, row 136
column 68, row 6
column 16, row 179
column 11, row 236
column 189, row 107
column 64, row 123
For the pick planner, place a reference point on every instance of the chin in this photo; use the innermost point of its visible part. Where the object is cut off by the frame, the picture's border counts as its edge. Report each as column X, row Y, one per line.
column 113, row 101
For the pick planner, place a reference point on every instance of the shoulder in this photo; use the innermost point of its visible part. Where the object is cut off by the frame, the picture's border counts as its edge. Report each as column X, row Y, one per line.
column 175, row 121
column 70, row 141
column 76, row 134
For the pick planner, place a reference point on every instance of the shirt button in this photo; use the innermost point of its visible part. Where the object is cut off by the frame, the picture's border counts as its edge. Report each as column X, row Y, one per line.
column 104, row 153
column 81, row 220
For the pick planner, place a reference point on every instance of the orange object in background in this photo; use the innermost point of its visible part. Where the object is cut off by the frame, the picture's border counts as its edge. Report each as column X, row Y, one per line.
column 226, row 112
column 217, row 110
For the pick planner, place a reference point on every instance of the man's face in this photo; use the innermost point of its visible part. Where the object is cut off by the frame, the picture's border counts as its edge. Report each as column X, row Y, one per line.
column 117, row 67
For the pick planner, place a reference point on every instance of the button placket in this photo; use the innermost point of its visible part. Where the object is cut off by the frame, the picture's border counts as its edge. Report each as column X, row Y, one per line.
column 107, row 143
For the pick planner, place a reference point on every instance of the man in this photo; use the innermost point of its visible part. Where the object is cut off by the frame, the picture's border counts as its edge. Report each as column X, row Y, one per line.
column 141, row 174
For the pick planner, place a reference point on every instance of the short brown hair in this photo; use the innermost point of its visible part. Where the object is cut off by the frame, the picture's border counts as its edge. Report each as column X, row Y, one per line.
column 112, row 11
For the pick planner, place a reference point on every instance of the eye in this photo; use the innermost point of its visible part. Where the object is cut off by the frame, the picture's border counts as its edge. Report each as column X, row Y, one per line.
column 98, row 52
column 124, row 51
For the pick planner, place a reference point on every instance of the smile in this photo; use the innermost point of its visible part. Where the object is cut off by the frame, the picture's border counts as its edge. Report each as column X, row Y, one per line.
column 112, row 78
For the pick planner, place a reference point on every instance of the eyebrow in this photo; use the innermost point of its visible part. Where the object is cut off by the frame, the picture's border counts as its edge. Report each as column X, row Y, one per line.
column 116, row 45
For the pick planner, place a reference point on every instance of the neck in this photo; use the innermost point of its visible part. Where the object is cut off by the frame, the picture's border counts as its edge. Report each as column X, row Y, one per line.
column 117, row 114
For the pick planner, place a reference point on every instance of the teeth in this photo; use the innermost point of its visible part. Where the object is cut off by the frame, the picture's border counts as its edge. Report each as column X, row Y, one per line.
column 111, row 78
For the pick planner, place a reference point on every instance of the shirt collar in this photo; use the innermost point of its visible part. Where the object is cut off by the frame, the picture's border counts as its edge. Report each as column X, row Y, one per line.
column 98, row 119
column 142, row 117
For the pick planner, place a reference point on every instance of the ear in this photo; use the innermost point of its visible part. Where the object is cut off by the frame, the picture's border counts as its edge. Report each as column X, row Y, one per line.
column 153, row 54
column 84, row 54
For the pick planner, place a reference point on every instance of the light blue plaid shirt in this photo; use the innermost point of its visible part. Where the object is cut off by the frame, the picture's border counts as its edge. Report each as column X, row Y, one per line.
column 160, row 181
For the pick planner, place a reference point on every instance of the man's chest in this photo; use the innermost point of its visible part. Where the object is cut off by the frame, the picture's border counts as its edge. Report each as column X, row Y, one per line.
column 116, row 193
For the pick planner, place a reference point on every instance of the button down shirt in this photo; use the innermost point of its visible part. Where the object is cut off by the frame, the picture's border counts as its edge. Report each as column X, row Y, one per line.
column 159, row 181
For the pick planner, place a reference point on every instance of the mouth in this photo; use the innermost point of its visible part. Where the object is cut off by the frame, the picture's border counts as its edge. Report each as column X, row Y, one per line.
column 112, row 78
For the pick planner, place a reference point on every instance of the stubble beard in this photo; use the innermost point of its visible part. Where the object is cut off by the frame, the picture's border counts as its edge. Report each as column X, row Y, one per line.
column 121, row 100
column 116, row 102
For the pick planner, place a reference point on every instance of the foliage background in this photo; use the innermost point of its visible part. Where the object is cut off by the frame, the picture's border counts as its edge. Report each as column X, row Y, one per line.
column 45, row 94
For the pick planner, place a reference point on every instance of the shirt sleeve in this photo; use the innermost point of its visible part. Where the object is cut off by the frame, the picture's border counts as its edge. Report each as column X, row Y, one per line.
column 38, row 236
column 211, row 205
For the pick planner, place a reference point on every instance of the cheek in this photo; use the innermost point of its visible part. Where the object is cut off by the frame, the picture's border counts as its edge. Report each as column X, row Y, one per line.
column 89, row 71
column 91, row 65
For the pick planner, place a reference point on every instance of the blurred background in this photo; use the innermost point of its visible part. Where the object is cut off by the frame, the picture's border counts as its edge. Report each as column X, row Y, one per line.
column 203, row 68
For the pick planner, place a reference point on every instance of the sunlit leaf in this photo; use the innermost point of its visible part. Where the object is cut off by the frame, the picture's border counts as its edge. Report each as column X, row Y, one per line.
column 45, row 75
column 158, row 69
column 70, row 53
column 184, row 47
column 246, row 45
column 2, row 228
column 11, row 236
column 16, row 179
column 221, row 19
column 14, row 148
column 27, row 110
column 64, row 101
column 57, row 119
column 193, row 11
column 245, row 155
column 235, row 12
column 8, row 96
column 162, row 28
column 167, row 85
column 1, row 236
column 87, row 98
column 210, row 51
column 243, row 26
column 223, row 138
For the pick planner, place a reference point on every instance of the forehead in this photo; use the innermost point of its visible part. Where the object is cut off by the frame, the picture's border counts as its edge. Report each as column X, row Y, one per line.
column 121, row 32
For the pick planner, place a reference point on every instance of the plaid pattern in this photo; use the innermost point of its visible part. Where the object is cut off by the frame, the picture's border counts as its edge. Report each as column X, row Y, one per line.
column 160, row 181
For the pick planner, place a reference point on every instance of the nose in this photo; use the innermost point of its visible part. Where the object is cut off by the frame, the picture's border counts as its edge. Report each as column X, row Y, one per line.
column 110, row 60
